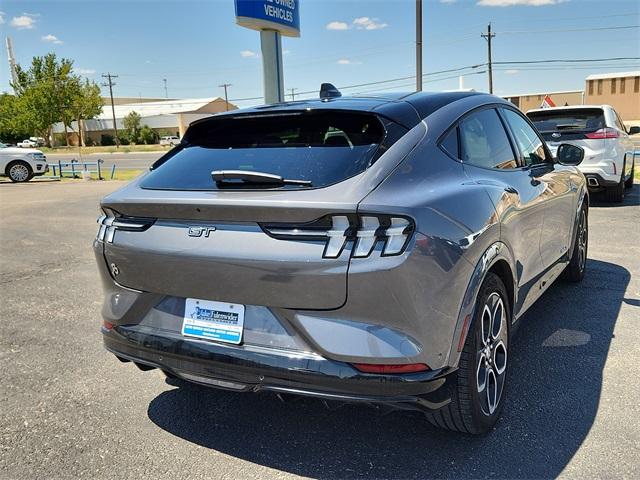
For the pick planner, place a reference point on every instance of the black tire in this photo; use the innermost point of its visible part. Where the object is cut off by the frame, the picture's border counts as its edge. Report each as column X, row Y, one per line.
column 574, row 271
column 629, row 182
column 19, row 171
column 470, row 410
column 616, row 194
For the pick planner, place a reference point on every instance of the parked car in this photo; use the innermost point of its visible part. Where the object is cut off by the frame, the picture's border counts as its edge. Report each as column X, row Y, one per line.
column 40, row 142
column 389, row 263
column 170, row 141
column 27, row 143
column 598, row 129
column 21, row 164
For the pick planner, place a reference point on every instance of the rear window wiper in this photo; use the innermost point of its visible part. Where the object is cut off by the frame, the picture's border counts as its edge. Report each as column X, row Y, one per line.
column 251, row 177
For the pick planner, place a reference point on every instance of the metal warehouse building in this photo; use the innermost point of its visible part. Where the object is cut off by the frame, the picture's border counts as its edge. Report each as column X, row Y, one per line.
column 167, row 117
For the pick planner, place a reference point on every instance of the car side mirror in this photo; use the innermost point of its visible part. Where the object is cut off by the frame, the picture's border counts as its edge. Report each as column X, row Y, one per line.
column 568, row 154
column 634, row 130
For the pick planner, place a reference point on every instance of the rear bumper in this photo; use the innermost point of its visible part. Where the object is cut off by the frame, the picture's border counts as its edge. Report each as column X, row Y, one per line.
column 253, row 369
column 596, row 182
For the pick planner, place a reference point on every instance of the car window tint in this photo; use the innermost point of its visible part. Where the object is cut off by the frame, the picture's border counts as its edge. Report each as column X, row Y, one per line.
column 529, row 143
column 484, row 142
column 450, row 143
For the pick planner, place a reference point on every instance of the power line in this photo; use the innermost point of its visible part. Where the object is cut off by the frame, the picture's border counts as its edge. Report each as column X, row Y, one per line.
column 571, row 60
column 110, row 84
column 563, row 30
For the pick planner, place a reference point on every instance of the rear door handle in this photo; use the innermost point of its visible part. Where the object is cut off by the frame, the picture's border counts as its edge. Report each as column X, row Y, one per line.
column 510, row 190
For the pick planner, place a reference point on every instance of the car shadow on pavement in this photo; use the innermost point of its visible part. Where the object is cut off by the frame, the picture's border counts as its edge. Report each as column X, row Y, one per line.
column 555, row 383
column 631, row 197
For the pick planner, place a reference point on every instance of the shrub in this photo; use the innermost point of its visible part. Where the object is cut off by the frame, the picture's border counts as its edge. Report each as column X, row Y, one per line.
column 106, row 139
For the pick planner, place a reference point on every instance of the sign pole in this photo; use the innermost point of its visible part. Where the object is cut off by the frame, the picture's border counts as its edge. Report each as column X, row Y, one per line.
column 272, row 69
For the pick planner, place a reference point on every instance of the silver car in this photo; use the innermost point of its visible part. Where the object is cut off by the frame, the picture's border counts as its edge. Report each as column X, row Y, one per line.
column 377, row 249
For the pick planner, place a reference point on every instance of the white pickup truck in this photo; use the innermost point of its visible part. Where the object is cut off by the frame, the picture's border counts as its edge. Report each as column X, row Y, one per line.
column 21, row 164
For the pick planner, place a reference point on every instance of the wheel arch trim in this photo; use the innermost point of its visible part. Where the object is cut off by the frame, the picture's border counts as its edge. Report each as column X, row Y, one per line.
column 494, row 254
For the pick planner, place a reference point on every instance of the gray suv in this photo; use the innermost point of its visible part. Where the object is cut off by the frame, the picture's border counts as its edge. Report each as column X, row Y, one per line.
column 377, row 249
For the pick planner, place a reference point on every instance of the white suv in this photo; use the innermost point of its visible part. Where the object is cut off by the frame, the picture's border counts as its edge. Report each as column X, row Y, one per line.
column 608, row 159
column 170, row 141
column 21, row 164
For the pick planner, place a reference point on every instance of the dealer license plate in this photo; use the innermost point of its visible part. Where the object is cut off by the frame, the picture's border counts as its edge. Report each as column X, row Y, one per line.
column 209, row 320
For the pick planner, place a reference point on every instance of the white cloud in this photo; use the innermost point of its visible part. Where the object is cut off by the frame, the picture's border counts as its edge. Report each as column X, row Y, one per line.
column 286, row 52
column 346, row 61
column 1, row 18
column 511, row 72
column 511, row 3
column 448, row 1
column 248, row 54
column 52, row 39
column 84, row 71
column 366, row 23
column 23, row 21
column 337, row 26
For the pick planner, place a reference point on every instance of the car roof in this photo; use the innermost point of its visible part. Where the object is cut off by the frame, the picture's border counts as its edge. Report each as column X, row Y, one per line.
column 405, row 108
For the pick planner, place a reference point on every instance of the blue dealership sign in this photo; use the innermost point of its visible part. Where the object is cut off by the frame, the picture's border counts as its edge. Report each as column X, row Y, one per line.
column 280, row 15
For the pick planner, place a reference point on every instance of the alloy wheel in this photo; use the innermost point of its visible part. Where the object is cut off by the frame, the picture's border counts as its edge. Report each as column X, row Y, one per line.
column 492, row 353
column 19, row 172
column 582, row 241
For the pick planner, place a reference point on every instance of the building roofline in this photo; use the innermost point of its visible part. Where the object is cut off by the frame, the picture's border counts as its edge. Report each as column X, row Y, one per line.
column 542, row 93
column 605, row 76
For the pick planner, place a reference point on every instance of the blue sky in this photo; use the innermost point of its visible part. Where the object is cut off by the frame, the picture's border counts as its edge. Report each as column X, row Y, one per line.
column 197, row 46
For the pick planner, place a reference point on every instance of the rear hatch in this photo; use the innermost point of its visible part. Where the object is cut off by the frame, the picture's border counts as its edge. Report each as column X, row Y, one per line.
column 584, row 127
column 269, row 228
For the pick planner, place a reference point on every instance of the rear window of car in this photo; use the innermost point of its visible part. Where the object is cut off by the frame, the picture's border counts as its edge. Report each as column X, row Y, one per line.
column 323, row 147
column 577, row 120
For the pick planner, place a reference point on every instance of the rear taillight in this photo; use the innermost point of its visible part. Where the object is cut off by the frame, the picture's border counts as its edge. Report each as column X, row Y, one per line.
column 112, row 221
column 603, row 133
column 399, row 368
column 365, row 231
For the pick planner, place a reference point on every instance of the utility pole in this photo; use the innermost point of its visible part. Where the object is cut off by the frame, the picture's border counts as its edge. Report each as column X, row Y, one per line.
column 109, row 83
column 488, row 36
column 419, row 45
column 166, row 95
column 226, row 98
column 293, row 94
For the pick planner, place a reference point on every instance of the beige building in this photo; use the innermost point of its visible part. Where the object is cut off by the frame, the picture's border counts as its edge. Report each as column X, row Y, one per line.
column 620, row 90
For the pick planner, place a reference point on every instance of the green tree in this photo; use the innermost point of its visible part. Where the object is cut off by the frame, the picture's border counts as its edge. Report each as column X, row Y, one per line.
column 132, row 126
column 14, row 125
column 147, row 135
column 43, row 90
column 85, row 103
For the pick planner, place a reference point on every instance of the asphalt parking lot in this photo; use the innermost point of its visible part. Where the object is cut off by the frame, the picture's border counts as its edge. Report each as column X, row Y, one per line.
column 69, row 409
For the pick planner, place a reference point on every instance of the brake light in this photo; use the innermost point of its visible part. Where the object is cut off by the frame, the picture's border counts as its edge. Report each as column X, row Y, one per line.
column 112, row 221
column 365, row 231
column 401, row 368
column 603, row 133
